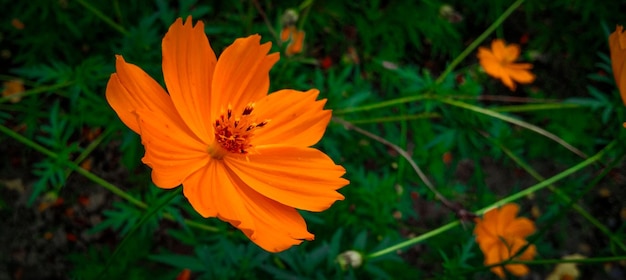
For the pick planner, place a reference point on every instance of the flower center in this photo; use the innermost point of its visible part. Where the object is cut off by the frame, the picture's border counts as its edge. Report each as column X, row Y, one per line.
column 233, row 134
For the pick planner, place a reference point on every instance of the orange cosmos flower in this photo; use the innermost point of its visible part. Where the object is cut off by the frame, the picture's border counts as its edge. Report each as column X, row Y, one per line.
column 501, row 235
column 617, row 45
column 499, row 63
column 241, row 155
column 295, row 37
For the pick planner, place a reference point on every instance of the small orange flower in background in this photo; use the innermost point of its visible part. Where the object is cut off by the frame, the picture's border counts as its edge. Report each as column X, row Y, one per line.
column 291, row 33
column 184, row 275
column 617, row 46
column 11, row 88
column 500, row 236
column 17, row 24
column 499, row 62
column 297, row 42
column 241, row 155
column 295, row 38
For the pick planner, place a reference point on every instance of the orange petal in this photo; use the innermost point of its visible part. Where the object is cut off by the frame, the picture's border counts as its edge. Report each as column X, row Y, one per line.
column 277, row 227
column 285, row 33
column 269, row 224
column 489, row 62
column 130, row 88
column 484, row 237
column 188, row 64
column 296, row 44
column 494, row 256
column 621, row 83
column 498, row 48
column 506, row 215
column 241, row 74
column 490, row 221
column 521, row 76
column 210, row 191
column 171, row 151
column 517, row 269
column 303, row 178
column 521, row 227
column 507, row 81
column 617, row 46
column 520, row 66
column 511, row 53
column 296, row 118
column 529, row 253
column 520, row 269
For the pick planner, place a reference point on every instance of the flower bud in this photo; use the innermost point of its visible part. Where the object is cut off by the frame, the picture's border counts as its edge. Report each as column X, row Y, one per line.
column 350, row 259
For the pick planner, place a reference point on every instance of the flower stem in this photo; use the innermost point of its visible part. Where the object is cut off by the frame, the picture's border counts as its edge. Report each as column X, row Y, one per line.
column 508, row 119
column 397, row 118
column 103, row 17
column 94, row 178
column 414, row 240
column 406, row 156
column 535, row 107
column 37, row 91
column 501, row 202
column 563, row 196
column 478, row 40
column 557, row 261
column 391, row 102
column 73, row 166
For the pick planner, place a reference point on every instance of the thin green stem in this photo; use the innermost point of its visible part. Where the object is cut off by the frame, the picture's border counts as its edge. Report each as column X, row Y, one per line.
column 402, row 153
column 94, row 178
column 73, row 166
column 523, row 124
column 550, row 180
column 560, row 194
column 498, row 203
column 414, row 240
column 36, row 91
column 391, row 102
column 557, row 261
column 479, row 40
column 92, row 146
column 270, row 28
column 397, row 118
column 150, row 211
column 103, row 17
column 535, row 107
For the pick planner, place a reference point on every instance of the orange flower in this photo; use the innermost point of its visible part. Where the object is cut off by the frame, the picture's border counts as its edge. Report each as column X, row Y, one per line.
column 12, row 88
column 499, row 63
column 295, row 37
column 241, row 155
column 17, row 23
column 500, row 235
column 617, row 45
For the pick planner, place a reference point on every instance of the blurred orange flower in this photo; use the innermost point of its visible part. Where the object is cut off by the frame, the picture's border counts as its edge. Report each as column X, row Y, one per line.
column 17, row 23
column 241, row 155
column 501, row 235
column 617, row 46
column 499, row 62
column 12, row 88
column 295, row 37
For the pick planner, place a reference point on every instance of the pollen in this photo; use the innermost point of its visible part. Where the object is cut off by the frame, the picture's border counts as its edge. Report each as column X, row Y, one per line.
column 233, row 132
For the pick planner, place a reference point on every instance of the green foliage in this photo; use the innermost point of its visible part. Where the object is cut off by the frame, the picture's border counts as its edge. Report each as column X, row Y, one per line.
column 379, row 66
